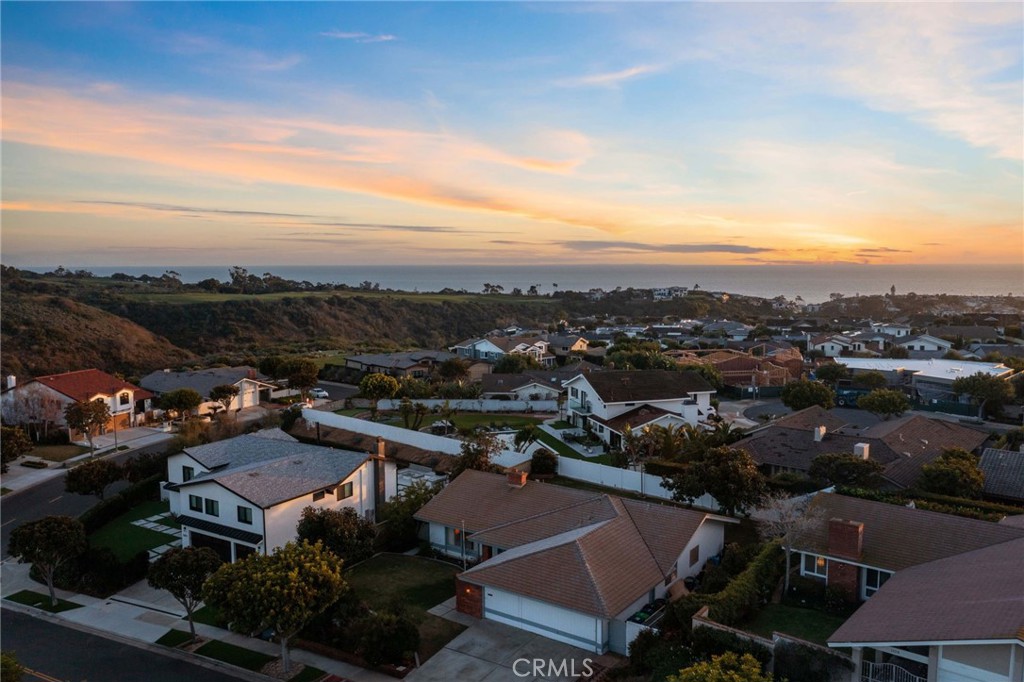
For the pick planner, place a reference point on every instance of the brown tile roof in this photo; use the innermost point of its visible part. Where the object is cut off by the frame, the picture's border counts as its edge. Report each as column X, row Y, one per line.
column 624, row 386
column 919, row 441
column 600, row 568
column 85, row 384
column 438, row 461
column 810, row 418
column 896, row 537
column 975, row 595
column 546, row 524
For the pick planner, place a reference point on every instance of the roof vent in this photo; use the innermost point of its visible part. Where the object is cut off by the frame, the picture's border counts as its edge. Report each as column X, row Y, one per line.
column 819, row 434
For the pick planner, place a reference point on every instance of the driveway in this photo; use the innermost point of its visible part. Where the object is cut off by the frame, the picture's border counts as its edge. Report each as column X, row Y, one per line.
column 500, row 653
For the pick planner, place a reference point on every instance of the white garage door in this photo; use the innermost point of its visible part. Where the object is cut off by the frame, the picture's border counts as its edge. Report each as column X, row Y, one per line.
column 553, row 622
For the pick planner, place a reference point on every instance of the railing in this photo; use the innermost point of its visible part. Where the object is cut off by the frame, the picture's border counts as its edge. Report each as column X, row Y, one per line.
column 578, row 407
column 887, row 672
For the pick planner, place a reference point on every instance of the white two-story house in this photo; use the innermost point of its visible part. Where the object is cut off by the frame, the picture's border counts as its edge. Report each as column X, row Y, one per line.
column 609, row 402
column 246, row 494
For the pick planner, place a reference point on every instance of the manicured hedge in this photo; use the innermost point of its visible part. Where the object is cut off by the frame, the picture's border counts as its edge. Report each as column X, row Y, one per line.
column 109, row 509
column 959, row 506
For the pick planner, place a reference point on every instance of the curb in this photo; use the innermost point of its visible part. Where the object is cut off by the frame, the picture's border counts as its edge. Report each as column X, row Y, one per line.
column 195, row 659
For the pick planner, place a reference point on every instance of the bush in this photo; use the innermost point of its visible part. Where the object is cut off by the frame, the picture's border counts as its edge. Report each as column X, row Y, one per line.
column 385, row 637
column 708, row 642
column 657, row 656
column 108, row 510
column 544, row 462
column 838, row 600
column 801, row 663
column 804, row 590
column 793, row 483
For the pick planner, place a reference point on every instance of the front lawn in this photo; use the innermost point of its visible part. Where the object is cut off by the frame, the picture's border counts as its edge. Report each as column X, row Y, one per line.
column 174, row 638
column 57, row 453
column 810, row 624
column 416, row 582
column 41, row 601
column 235, row 655
column 126, row 539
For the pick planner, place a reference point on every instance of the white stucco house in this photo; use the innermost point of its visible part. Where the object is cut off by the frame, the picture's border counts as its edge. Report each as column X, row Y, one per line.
column 253, row 387
column 924, row 342
column 571, row 565
column 610, row 401
column 246, row 494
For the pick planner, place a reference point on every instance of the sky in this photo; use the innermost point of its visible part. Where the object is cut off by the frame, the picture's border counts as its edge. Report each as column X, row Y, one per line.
column 195, row 133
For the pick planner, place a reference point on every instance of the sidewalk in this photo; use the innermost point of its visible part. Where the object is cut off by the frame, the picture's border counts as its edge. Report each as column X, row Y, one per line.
column 20, row 478
column 141, row 615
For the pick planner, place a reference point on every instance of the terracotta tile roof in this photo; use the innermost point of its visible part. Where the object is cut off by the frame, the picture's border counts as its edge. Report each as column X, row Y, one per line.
column 975, row 595
column 896, row 537
column 625, row 386
column 1004, row 473
column 547, row 524
column 86, row 384
column 918, row 441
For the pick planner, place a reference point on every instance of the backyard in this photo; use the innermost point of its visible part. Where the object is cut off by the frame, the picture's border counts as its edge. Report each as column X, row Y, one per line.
column 809, row 624
column 126, row 539
column 417, row 582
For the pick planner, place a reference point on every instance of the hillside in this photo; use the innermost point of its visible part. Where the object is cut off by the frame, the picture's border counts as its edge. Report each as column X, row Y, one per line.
column 48, row 334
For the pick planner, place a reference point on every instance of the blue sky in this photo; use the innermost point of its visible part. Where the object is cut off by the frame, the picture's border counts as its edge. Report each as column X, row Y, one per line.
column 323, row 133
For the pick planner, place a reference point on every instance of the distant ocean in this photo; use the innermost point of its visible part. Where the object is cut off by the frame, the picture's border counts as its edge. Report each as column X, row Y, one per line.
column 813, row 283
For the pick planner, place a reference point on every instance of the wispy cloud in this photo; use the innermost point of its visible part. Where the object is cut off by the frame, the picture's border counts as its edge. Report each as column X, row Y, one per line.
column 230, row 56
column 594, row 245
column 359, row 37
column 611, row 78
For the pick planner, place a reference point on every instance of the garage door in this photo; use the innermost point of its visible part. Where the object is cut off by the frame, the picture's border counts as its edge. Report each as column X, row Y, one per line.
column 548, row 620
column 220, row 546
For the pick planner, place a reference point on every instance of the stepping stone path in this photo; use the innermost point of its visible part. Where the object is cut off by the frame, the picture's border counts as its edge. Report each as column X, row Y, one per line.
column 155, row 523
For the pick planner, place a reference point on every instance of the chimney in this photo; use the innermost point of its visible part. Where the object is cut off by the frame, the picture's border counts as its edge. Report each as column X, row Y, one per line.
column 516, row 478
column 845, row 538
column 381, row 448
column 819, row 434
column 862, row 450
column 9, row 382
column 251, row 373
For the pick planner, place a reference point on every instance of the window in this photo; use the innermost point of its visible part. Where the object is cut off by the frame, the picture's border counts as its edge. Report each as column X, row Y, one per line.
column 245, row 514
column 873, row 580
column 187, row 473
column 213, row 507
column 344, row 491
column 318, row 495
column 124, row 399
column 694, row 555
column 195, row 503
column 814, row 566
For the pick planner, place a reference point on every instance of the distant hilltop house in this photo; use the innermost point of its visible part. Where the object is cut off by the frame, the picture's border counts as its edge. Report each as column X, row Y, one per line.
column 668, row 293
column 493, row 348
column 902, row 445
column 253, row 387
column 570, row 565
column 245, row 495
column 414, row 363
column 39, row 404
column 610, row 401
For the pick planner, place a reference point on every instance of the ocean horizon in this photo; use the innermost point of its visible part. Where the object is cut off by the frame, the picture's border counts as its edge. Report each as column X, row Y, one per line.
column 812, row 283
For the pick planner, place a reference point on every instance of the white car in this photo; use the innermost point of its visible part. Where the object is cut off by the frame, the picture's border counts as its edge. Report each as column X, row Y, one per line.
column 318, row 393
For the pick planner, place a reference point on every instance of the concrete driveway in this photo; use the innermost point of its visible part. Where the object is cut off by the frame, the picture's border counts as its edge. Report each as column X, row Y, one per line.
column 490, row 651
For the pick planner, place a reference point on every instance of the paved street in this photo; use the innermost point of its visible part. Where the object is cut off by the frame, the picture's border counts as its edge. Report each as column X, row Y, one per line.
column 56, row 652
column 338, row 391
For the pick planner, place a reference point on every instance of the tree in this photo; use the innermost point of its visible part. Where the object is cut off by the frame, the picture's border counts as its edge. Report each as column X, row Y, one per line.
column 398, row 527
column 93, row 477
column 301, row 373
column 525, row 436
column 884, row 402
column 800, row 395
column 831, row 373
column 476, row 454
column 10, row 669
column 386, row 637
column 710, row 373
column 989, row 392
column 342, row 531
column 181, row 400
column 729, row 667
column 515, row 363
column 283, row 591
column 544, row 462
column 727, row 474
column 643, row 445
column 183, row 571
column 13, row 443
column 847, row 470
column 785, row 517
column 48, row 544
column 870, row 380
column 224, row 394
column 87, row 417
column 955, row 472
column 452, row 369
column 376, row 387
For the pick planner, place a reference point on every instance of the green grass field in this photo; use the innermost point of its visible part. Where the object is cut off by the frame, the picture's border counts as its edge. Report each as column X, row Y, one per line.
column 125, row 539
column 174, row 638
column 234, row 655
column 810, row 624
column 57, row 453
column 41, row 601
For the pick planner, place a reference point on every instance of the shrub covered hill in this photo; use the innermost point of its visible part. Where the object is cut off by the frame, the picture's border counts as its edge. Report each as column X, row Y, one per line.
column 67, row 320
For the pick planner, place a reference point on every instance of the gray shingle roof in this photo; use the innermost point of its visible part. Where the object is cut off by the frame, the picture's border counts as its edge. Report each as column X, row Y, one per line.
column 640, row 386
column 202, row 380
column 1004, row 473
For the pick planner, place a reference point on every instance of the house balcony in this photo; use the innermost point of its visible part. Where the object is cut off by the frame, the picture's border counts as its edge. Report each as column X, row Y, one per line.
column 887, row 672
column 580, row 407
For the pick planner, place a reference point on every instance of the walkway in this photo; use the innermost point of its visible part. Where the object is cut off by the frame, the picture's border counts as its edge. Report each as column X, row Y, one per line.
column 155, row 523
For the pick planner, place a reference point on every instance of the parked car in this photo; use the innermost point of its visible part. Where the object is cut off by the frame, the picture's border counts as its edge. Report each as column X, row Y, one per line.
column 319, row 393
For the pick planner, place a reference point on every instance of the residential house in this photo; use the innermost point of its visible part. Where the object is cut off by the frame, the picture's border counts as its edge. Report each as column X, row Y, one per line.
column 492, row 348
column 253, row 387
column 959, row 618
column 928, row 379
column 831, row 345
column 1004, row 474
column 565, row 345
column 525, row 386
column 859, row 544
column 416, row 363
column 894, row 329
column 571, row 565
column 735, row 331
column 924, row 342
column 979, row 351
column 608, row 402
column 39, row 404
column 968, row 332
column 902, row 445
column 246, row 494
